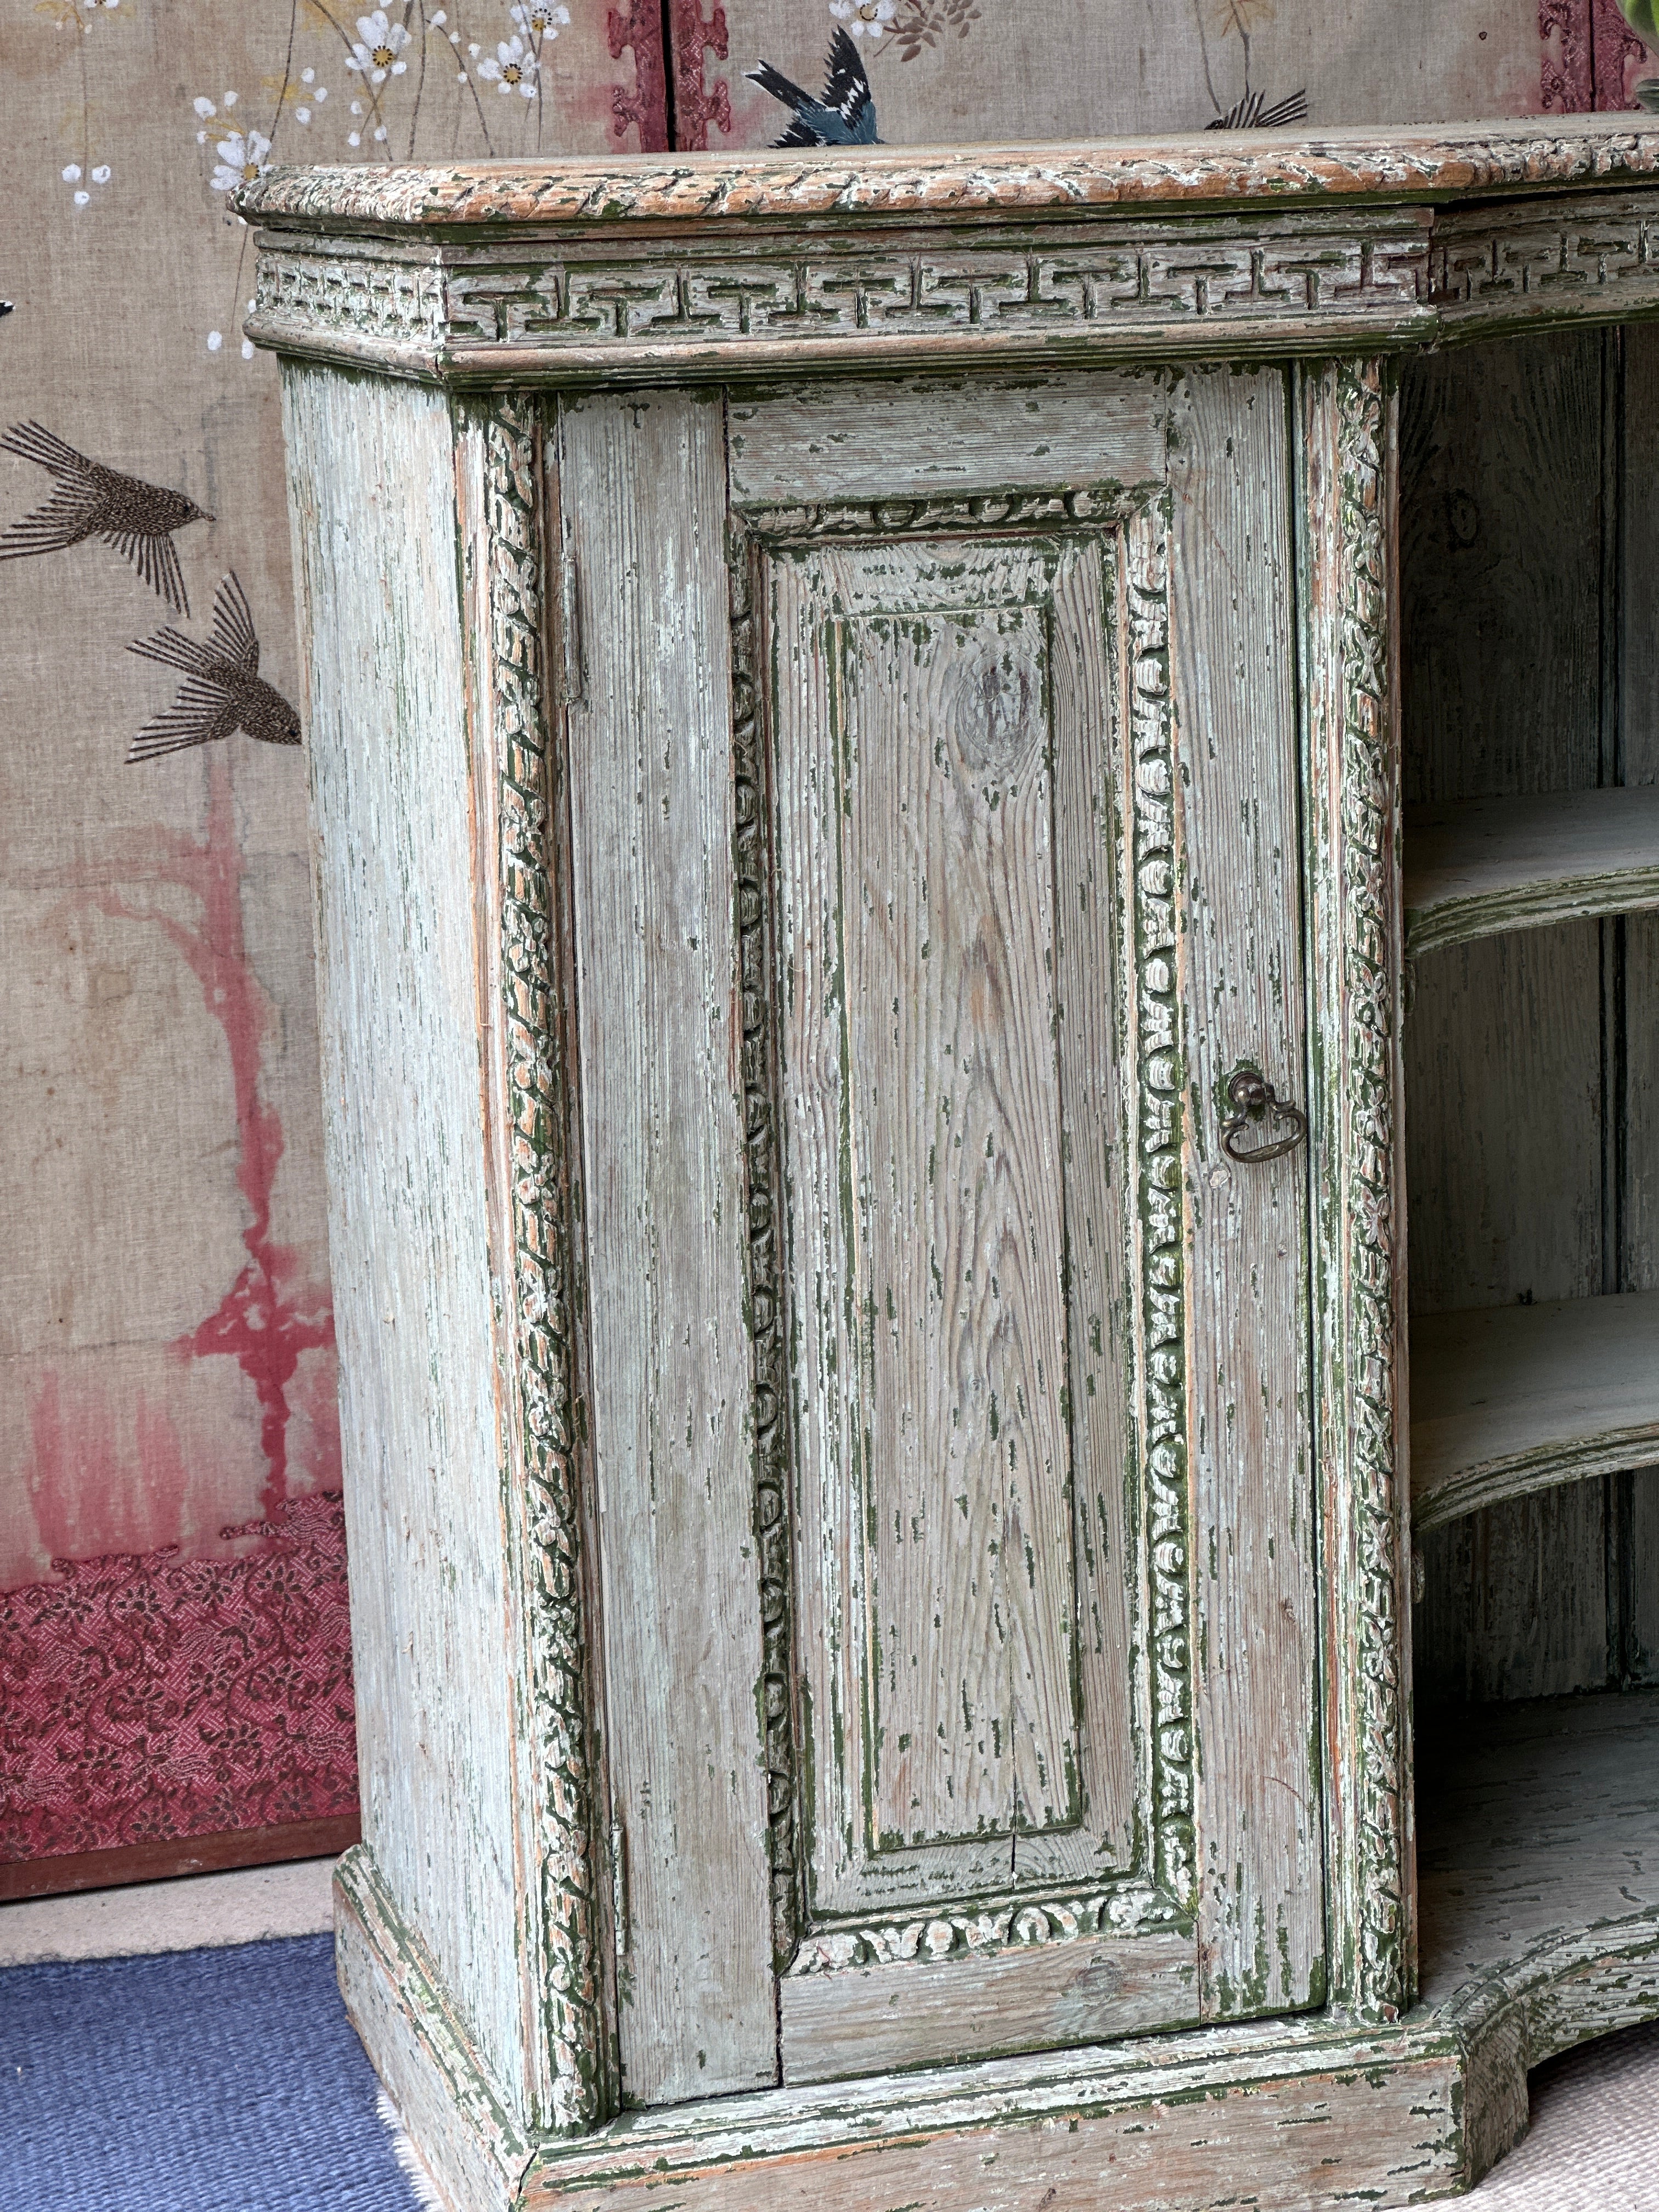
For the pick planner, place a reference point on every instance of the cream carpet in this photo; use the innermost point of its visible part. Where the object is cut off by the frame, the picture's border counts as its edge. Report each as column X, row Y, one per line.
column 1594, row 2142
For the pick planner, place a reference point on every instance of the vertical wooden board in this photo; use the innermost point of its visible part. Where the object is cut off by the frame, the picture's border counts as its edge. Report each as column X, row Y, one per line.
column 1255, row 1691
column 1500, row 462
column 1088, row 642
column 948, row 929
column 1500, row 1618
column 1503, row 1054
column 392, row 806
column 643, row 490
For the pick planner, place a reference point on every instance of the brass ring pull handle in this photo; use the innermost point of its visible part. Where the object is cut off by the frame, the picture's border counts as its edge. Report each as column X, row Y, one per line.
column 1256, row 1107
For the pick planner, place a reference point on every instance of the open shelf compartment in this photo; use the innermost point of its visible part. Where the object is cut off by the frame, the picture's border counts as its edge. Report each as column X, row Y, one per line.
column 1511, row 1399
column 1538, row 1866
column 1482, row 866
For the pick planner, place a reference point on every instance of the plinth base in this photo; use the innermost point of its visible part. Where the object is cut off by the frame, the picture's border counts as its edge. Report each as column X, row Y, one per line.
column 1539, row 1882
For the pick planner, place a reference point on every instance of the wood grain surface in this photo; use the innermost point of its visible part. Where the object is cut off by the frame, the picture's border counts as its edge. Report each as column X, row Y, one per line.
column 941, row 748
column 1261, row 1918
column 398, row 967
column 642, row 492
column 933, row 437
column 1509, row 1399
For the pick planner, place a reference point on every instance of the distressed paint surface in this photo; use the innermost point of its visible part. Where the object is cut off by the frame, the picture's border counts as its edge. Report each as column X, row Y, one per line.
column 1347, row 461
column 643, row 505
column 392, row 801
column 1412, row 2103
column 1261, row 1923
column 941, row 770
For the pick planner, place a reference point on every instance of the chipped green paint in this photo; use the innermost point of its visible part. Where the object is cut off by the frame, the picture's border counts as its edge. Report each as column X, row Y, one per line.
column 771, row 1336
column 546, row 1561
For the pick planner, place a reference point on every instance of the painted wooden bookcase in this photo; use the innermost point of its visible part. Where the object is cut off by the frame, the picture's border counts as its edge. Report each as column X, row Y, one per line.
column 919, row 817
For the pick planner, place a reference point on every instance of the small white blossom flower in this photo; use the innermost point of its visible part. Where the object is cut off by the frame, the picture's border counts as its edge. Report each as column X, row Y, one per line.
column 72, row 174
column 100, row 175
column 454, row 37
column 865, row 19
column 378, row 52
column 248, row 348
column 80, row 199
column 302, row 115
column 379, row 131
column 475, row 50
column 307, row 76
column 460, row 76
column 322, row 92
column 356, row 107
column 540, row 18
column 204, row 108
column 240, row 161
column 513, row 69
column 438, row 21
column 201, row 137
column 354, row 137
column 230, row 100
column 215, row 339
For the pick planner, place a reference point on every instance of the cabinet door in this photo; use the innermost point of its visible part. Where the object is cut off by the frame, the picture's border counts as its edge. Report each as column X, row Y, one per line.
column 1021, row 886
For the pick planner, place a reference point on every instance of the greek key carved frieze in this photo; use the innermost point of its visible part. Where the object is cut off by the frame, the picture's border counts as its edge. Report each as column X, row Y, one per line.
column 1395, row 278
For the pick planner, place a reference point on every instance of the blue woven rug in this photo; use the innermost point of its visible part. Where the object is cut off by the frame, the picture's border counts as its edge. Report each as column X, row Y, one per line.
column 223, row 2081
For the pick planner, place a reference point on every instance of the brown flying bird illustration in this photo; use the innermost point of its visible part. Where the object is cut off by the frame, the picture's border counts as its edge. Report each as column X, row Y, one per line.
column 90, row 500
column 222, row 691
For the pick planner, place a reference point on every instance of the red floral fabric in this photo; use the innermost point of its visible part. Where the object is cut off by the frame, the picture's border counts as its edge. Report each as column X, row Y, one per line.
column 154, row 1697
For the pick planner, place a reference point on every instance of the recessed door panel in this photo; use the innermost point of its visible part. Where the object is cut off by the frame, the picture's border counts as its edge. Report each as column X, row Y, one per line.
column 950, row 1016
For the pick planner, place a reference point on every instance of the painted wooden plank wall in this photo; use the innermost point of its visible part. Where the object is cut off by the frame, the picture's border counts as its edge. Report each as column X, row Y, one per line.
column 373, row 468
column 1261, row 1925
column 642, row 491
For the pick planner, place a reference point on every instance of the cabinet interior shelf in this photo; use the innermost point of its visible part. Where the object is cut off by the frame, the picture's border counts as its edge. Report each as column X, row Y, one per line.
column 1538, row 1865
column 1485, row 865
column 1511, row 1399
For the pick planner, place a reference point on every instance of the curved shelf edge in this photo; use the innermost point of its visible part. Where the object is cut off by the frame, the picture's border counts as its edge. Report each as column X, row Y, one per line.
column 1471, row 1489
column 1463, row 921
column 1573, row 1985
column 1481, row 867
column 1510, row 1400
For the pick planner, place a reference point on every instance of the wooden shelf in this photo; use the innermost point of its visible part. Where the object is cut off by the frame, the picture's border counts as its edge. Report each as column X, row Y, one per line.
column 1490, row 864
column 1538, row 1867
column 1511, row 1399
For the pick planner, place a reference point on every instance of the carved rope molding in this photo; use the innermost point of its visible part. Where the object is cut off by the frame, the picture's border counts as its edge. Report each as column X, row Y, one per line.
column 1149, row 853
column 549, row 1574
column 1354, row 775
column 764, row 1193
column 1152, row 844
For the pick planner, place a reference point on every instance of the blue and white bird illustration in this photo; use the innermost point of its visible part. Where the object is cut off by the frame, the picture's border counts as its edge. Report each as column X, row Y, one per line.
column 845, row 116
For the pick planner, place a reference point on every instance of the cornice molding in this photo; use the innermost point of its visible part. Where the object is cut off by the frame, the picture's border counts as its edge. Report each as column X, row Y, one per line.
column 579, row 273
column 907, row 184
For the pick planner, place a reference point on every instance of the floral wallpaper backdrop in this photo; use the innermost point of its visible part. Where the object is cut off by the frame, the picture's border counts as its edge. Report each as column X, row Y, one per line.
column 174, row 1653
column 173, row 1649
